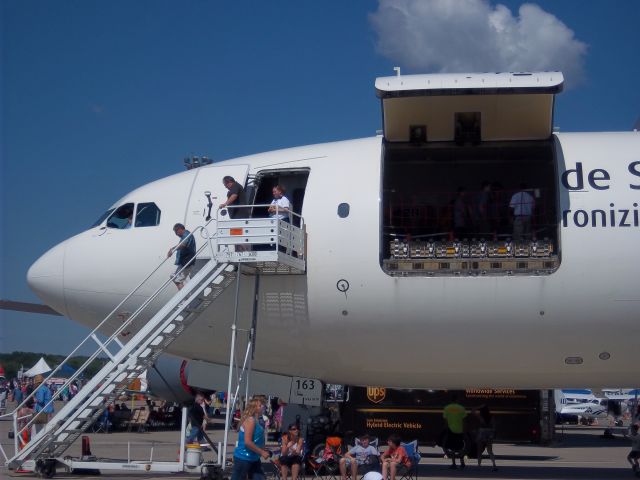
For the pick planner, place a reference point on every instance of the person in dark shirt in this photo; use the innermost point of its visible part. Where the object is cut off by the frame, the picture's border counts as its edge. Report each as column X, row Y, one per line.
column 186, row 252
column 482, row 210
column 198, row 418
column 461, row 214
column 234, row 193
column 484, row 434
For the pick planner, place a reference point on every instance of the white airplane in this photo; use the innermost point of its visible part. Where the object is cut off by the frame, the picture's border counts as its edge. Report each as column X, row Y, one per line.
column 621, row 394
column 586, row 411
column 575, row 397
column 581, row 403
column 409, row 282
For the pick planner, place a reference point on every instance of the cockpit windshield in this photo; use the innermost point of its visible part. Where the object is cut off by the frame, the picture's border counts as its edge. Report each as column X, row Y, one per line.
column 148, row 215
column 102, row 217
column 122, row 217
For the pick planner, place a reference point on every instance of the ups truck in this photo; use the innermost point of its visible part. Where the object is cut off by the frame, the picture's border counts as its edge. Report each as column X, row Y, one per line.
column 519, row 415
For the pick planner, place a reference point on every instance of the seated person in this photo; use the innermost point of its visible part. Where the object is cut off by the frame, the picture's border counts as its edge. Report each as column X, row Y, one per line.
column 291, row 453
column 360, row 455
column 394, row 459
column 104, row 420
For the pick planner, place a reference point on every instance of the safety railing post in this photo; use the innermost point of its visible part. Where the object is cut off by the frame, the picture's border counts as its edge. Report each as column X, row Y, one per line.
column 4, row 455
column 228, row 413
column 230, row 404
column 15, row 433
column 183, row 425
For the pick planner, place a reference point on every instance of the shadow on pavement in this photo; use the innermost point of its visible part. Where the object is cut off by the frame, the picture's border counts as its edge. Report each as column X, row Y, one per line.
column 530, row 458
column 524, row 472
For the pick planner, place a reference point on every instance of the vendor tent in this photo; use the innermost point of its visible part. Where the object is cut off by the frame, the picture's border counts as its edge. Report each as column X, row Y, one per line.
column 65, row 371
column 38, row 369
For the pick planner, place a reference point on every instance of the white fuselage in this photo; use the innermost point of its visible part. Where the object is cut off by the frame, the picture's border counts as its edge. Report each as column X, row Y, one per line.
column 409, row 332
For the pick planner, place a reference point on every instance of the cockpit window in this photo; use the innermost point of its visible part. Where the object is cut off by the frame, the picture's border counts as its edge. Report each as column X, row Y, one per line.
column 102, row 217
column 122, row 217
column 148, row 215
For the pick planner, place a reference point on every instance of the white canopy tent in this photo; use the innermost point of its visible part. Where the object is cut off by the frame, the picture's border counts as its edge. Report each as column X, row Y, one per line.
column 38, row 369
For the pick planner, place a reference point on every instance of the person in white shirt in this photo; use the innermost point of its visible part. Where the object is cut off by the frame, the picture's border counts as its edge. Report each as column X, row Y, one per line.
column 358, row 456
column 522, row 204
column 282, row 203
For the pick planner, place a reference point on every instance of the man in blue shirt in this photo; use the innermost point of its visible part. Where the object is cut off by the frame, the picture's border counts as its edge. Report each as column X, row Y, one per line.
column 186, row 252
column 17, row 394
column 42, row 397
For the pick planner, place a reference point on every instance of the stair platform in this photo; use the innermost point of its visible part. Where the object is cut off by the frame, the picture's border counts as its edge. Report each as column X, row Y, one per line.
column 269, row 245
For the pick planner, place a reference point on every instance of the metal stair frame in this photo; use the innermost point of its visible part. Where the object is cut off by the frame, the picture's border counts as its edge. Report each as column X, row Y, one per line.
column 103, row 346
column 133, row 358
column 128, row 363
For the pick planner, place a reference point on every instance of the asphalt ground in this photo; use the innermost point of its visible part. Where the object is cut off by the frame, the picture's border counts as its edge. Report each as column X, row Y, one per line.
column 576, row 453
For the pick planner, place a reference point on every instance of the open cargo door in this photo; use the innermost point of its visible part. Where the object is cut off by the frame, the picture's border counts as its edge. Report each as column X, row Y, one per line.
column 468, row 107
column 469, row 184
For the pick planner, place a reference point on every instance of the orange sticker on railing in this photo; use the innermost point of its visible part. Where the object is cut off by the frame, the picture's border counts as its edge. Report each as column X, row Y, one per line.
column 236, row 231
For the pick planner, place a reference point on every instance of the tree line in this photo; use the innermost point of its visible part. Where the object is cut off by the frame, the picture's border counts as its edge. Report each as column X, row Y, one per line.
column 14, row 360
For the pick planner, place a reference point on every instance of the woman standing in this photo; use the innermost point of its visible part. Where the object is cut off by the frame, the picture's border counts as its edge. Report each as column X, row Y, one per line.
column 251, row 440
column 291, row 454
column 485, row 434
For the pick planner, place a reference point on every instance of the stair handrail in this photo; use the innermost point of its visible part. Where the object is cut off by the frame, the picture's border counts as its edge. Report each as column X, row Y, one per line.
column 279, row 211
column 114, row 335
column 221, row 213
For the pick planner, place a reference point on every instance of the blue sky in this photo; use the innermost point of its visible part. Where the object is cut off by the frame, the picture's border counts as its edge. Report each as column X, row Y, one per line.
column 100, row 97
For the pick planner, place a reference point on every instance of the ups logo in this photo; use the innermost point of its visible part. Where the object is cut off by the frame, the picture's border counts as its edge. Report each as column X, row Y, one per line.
column 376, row 394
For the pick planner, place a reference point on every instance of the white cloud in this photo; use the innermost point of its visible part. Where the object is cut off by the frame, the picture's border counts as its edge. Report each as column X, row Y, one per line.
column 474, row 36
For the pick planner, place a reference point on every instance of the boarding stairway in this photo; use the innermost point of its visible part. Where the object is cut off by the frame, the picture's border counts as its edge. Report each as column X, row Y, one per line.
column 280, row 251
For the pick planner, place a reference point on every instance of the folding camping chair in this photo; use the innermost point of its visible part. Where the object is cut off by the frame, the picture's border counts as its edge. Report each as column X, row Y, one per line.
column 327, row 464
column 411, row 473
column 139, row 419
column 103, row 424
column 271, row 468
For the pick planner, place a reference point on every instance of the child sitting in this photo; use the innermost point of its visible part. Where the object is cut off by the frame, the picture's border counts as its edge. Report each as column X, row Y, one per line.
column 395, row 458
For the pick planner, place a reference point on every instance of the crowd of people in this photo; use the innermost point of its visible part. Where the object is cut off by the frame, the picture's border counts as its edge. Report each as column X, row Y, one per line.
column 467, row 434
column 17, row 390
column 490, row 212
column 394, row 462
column 34, row 397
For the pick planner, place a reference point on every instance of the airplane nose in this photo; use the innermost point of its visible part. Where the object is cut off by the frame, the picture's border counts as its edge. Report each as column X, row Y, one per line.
column 45, row 278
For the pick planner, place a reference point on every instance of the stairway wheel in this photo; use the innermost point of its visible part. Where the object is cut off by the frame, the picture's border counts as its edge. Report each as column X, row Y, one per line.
column 46, row 468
